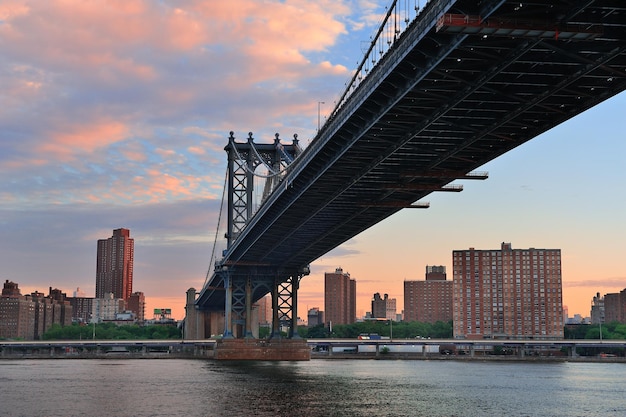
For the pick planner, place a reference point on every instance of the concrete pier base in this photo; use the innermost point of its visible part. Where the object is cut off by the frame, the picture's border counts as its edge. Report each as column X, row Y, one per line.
column 262, row 350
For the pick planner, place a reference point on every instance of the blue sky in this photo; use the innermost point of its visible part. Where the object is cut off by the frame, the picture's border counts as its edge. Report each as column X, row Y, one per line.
column 115, row 114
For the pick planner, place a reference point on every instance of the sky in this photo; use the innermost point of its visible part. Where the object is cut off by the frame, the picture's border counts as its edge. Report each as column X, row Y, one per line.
column 115, row 113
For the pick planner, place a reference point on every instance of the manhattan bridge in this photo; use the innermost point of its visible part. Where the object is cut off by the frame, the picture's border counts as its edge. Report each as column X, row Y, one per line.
column 444, row 87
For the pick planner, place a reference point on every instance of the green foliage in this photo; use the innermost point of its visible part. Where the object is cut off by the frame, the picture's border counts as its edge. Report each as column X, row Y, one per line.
column 315, row 332
column 401, row 330
column 613, row 330
column 110, row 331
column 264, row 332
column 575, row 331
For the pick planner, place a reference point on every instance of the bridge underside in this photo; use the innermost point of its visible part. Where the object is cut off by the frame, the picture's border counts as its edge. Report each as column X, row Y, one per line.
column 469, row 81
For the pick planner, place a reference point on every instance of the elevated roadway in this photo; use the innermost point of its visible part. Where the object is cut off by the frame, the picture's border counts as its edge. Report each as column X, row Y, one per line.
column 466, row 82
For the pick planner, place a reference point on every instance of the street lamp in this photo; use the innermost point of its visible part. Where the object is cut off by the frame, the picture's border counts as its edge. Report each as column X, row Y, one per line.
column 93, row 321
column 319, row 103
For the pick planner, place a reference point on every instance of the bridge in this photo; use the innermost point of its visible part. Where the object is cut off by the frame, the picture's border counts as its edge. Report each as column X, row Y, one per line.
column 441, row 91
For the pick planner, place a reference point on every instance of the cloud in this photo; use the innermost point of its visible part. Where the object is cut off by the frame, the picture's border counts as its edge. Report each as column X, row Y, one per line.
column 115, row 113
column 79, row 139
column 607, row 282
column 116, row 100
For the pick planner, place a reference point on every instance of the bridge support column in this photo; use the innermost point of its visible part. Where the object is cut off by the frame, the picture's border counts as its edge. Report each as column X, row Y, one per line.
column 228, row 323
column 295, row 285
column 571, row 351
column 248, row 331
column 275, row 321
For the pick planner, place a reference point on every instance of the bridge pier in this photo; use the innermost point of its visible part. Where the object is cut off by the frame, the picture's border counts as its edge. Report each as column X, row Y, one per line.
column 248, row 331
column 275, row 334
column 228, row 309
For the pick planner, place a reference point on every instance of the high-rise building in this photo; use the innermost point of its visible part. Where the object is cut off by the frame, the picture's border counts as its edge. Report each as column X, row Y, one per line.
column 339, row 297
column 383, row 308
column 507, row 293
column 114, row 268
column 429, row 301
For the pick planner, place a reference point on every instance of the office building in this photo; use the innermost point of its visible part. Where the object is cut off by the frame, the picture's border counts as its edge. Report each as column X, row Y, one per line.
column 383, row 307
column 114, row 268
column 339, row 298
column 429, row 301
column 507, row 293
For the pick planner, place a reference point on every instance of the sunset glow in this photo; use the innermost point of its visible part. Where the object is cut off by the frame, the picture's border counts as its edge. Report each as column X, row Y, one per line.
column 115, row 114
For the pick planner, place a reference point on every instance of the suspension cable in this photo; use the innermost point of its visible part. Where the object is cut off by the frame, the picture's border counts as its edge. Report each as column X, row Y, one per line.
column 217, row 230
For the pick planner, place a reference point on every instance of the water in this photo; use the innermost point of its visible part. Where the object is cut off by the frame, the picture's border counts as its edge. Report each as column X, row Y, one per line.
column 172, row 387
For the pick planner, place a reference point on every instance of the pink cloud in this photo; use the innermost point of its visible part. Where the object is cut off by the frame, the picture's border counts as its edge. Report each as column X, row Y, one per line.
column 134, row 152
column 10, row 10
column 74, row 140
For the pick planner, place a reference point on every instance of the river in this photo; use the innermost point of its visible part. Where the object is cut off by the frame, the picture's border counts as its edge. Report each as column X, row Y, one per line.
column 179, row 387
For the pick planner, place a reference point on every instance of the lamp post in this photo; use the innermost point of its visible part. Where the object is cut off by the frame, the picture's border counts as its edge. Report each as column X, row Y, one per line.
column 319, row 103
column 391, row 330
column 93, row 334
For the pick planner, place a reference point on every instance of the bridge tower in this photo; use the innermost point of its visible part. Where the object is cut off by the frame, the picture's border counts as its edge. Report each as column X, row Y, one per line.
column 245, row 282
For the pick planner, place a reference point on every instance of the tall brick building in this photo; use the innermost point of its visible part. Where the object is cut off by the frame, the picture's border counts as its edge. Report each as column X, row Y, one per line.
column 114, row 267
column 508, row 293
column 28, row 317
column 137, row 304
column 615, row 307
column 429, row 301
column 339, row 297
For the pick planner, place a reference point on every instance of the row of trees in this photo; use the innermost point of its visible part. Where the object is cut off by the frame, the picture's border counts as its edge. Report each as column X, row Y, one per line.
column 613, row 330
column 111, row 331
column 399, row 330
column 443, row 330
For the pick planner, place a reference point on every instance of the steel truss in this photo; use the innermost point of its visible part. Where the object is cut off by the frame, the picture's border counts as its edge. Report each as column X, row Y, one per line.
column 245, row 283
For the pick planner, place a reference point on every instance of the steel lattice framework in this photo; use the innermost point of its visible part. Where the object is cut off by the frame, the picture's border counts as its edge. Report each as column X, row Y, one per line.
column 465, row 82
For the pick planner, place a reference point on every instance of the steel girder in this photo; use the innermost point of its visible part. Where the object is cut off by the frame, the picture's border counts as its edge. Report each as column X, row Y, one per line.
column 441, row 103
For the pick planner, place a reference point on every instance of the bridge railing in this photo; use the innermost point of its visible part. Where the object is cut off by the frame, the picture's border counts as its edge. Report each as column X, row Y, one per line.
column 410, row 33
column 363, row 82
column 399, row 17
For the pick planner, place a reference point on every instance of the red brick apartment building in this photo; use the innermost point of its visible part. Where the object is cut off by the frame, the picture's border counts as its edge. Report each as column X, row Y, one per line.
column 339, row 297
column 507, row 293
column 429, row 301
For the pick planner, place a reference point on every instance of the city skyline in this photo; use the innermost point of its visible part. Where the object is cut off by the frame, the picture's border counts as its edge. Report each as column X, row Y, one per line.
column 119, row 120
